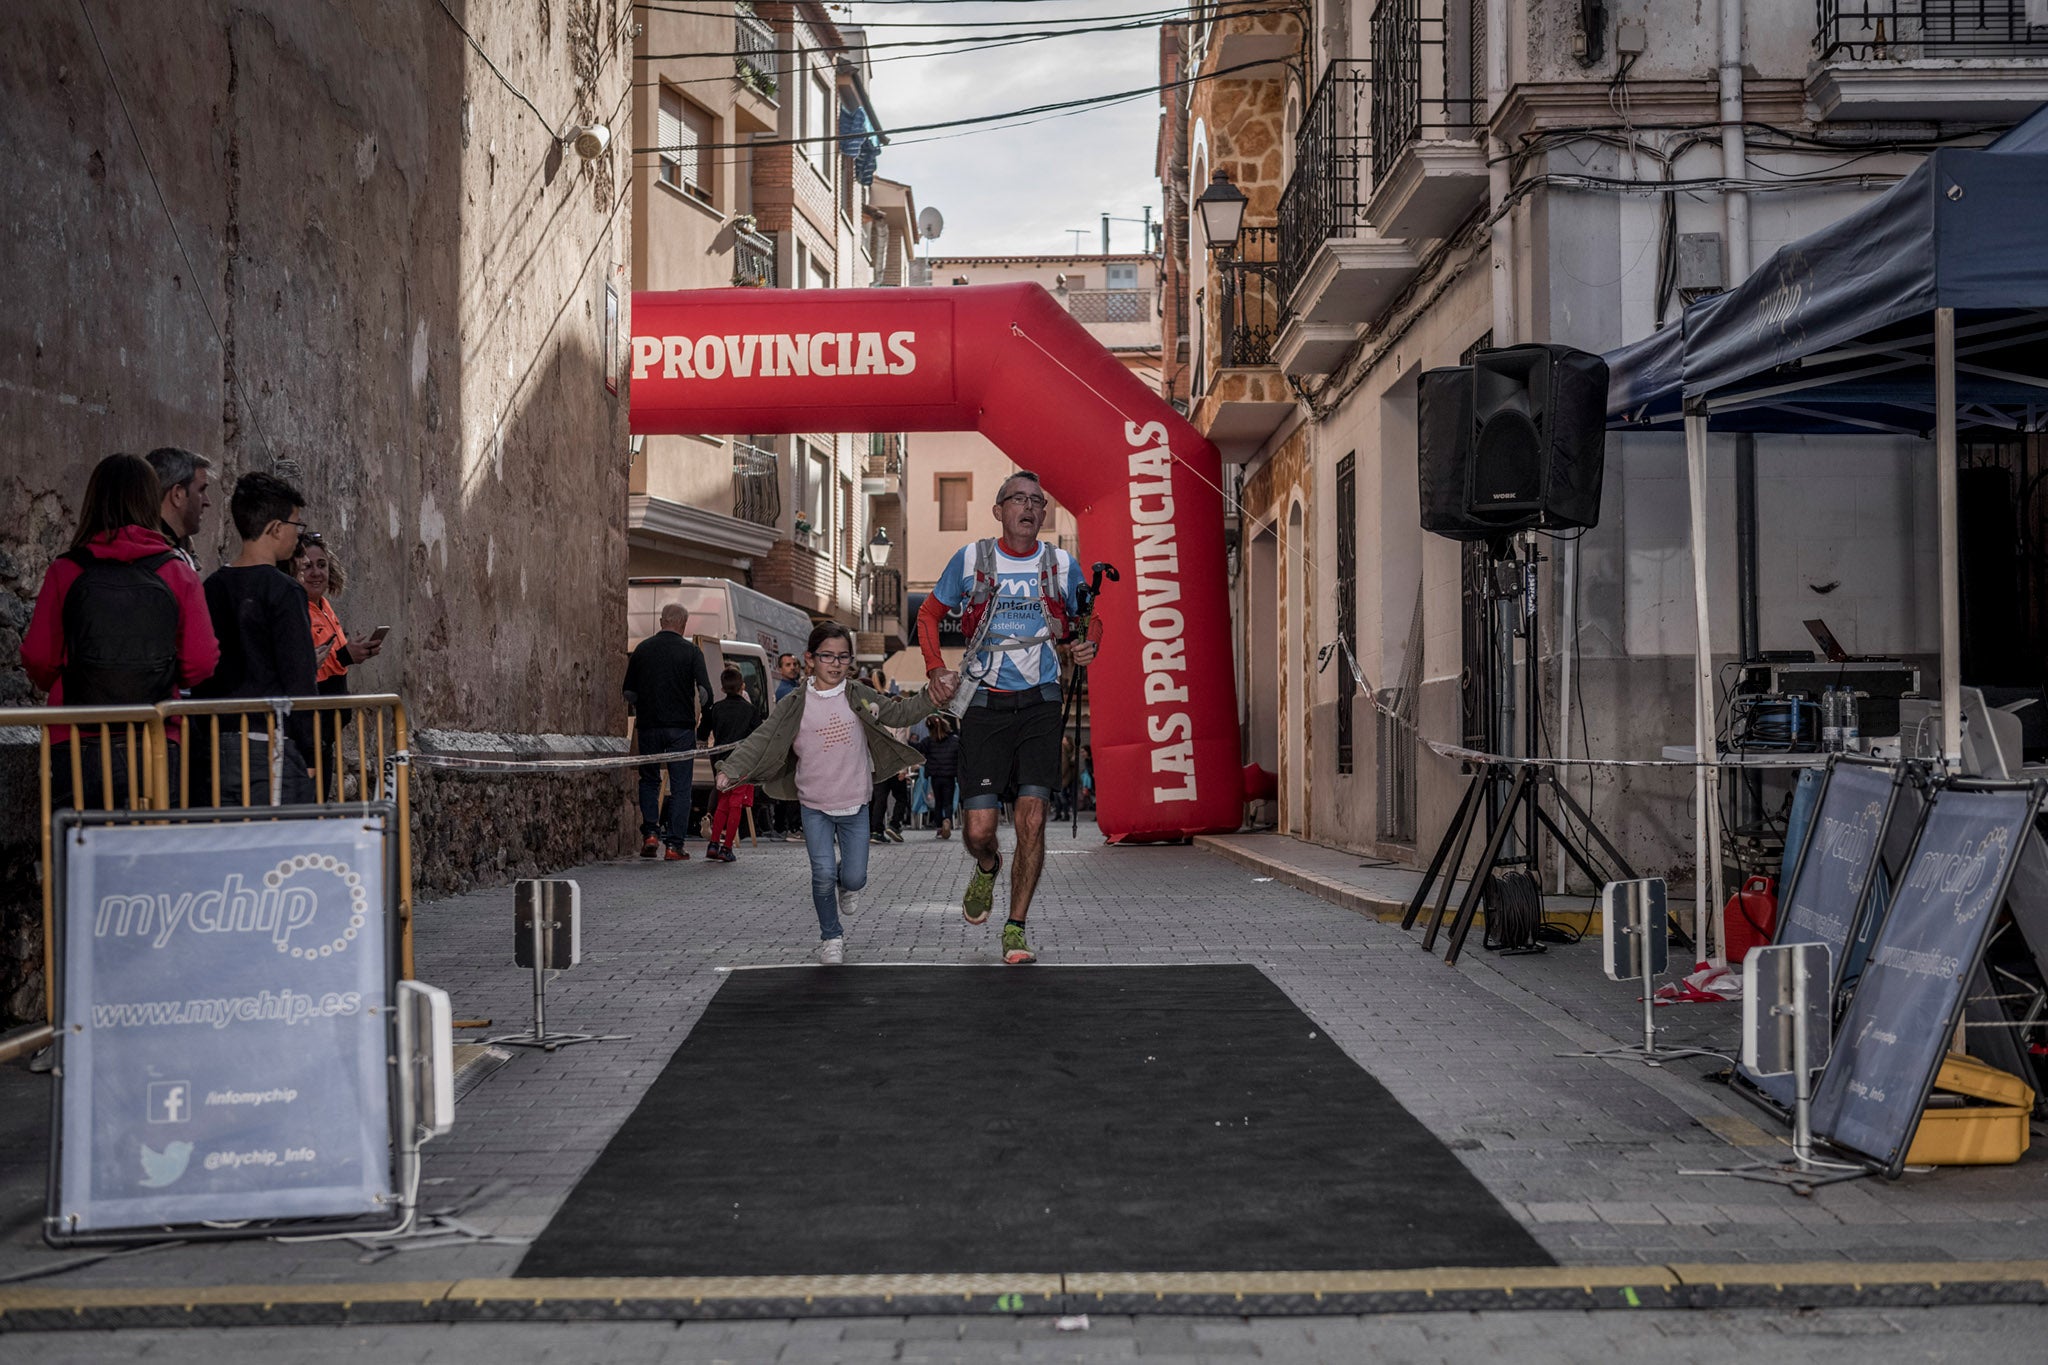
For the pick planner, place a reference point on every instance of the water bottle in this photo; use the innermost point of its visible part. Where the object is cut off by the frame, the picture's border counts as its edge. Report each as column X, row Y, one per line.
column 1831, row 721
column 1852, row 731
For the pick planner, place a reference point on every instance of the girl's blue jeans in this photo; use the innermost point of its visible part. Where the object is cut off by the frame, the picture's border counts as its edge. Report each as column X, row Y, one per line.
column 838, row 845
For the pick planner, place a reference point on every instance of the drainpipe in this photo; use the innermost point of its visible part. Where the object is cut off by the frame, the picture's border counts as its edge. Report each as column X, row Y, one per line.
column 1498, row 183
column 1734, row 149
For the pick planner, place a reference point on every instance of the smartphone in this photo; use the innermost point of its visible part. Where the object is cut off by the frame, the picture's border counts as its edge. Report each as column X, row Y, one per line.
column 377, row 635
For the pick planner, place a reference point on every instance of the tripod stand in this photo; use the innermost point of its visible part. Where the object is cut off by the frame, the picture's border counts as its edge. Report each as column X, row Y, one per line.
column 1508, row 791
column 1526, row 782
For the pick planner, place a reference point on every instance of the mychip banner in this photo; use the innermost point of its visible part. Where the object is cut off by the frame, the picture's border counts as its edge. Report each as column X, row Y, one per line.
column 226, row 1023
column 1898, row 1025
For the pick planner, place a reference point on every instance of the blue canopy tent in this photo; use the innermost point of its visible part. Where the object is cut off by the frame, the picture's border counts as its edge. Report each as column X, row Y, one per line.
column 1924, row 311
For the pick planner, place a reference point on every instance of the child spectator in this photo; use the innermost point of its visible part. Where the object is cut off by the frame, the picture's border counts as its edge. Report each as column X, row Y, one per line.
column 728, row 721
column 266, row 643
column 121, row 619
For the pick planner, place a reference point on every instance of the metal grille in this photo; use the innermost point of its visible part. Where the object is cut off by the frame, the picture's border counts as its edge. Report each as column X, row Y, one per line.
column 753, row 259
column 1903, row 30
column 1251, row 298
column 1396, row 81
column 1332, row 157
column 756, row 484
column 1347, row 603
column 753, row 51
column 1108, row 305
column 1399, row 740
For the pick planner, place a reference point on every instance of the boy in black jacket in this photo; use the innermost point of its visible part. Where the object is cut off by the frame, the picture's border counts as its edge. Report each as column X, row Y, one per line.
column 266, row 643
column 729, row 720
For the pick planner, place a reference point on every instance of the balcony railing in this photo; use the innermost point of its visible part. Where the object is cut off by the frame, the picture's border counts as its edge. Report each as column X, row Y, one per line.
column 1332, row 161
column 753, row 259
column 756, row 484
column 1905, row 30
column 753, row 52
column 1250, row 298
column 885, row 456
column 1104, row 306
column 1422, row 84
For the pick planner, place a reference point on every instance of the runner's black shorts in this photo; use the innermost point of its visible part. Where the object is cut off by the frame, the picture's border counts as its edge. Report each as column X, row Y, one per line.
column 1008, row 751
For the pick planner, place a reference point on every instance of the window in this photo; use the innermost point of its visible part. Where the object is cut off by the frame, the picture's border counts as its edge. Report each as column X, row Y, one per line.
column 954, row 491
column 1347, row 601
column 684, row 128
column 1123, row 277
column 846, row 524
column 802, row 278
column 817, row 124
column 813, row 473
column 821, row 274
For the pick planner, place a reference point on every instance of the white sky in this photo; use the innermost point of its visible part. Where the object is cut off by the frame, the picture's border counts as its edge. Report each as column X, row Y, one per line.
column 1015, row 191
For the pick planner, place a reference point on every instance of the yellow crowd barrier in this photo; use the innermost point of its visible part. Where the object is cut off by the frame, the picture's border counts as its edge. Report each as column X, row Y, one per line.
column 119, row 758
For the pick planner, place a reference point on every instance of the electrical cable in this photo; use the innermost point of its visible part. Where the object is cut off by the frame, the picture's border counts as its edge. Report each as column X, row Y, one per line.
column 1055, row 108
column 856, row 49
column 1195, row 12
column 1514, row 912
column 177, row 237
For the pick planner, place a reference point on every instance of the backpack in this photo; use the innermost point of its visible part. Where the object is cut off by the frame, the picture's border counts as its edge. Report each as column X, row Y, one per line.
column 974, row 611
column 121, row 626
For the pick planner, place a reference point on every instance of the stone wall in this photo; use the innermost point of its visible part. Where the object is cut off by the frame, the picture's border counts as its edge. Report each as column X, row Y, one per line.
column 323, row 237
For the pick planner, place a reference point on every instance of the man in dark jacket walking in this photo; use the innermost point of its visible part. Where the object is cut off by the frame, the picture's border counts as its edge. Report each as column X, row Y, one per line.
column 665, row 679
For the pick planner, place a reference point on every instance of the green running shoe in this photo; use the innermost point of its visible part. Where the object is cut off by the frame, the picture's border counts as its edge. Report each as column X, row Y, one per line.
column 1014, row 951
column 981, row 894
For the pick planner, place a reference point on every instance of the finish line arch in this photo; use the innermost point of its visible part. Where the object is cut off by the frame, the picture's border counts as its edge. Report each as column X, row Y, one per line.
column 1008, row 361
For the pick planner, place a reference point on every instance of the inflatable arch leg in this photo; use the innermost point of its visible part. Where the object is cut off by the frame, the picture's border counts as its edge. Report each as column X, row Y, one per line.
column 1007, row 361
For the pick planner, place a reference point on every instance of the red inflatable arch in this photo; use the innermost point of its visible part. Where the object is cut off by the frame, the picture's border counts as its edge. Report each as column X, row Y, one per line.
column 1007, row 361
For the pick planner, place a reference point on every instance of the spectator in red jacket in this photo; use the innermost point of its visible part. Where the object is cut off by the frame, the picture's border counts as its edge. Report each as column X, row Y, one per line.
column 121, row 619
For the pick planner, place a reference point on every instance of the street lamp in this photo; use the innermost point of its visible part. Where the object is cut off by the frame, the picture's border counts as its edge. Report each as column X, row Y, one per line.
column 1222, row 208
column 872, row 563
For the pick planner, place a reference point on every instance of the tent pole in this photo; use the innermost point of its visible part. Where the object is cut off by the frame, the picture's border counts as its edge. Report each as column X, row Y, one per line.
column 1945, row 504
column 1706, row 789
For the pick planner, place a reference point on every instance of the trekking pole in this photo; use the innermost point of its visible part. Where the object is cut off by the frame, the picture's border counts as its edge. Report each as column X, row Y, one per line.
column 1084, row 622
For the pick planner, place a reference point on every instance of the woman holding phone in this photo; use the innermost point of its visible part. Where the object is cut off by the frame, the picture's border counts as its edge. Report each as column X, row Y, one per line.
column 320, row 574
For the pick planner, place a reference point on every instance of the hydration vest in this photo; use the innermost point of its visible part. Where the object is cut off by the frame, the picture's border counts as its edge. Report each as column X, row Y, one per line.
column 974, row 613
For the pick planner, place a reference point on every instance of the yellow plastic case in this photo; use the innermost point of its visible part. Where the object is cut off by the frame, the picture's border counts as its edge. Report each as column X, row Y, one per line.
column 1993, row 1132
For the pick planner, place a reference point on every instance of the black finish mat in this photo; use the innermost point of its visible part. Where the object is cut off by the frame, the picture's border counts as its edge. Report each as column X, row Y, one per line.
column 872, row 1120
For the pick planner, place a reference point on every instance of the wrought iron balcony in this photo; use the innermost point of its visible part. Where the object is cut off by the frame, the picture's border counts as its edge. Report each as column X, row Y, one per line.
column 756, row 484
column 753, row 51
column 1964, row 60
column 753, row 258
column 1332, row 160
column 1908, row 30
column 1249, row 297
column 1423, row 84
column 1428, row 102
column 1105, row 306
column 885, row 456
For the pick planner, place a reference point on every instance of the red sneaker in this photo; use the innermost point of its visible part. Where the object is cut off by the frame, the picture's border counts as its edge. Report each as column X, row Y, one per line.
column 650, row 847
column 677, row 855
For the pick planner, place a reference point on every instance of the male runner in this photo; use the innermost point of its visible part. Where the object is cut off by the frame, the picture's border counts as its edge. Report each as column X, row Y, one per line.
column 1015, row 597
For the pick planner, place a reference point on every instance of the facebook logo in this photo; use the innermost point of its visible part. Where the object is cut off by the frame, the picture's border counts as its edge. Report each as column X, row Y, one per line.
column 170, row 1101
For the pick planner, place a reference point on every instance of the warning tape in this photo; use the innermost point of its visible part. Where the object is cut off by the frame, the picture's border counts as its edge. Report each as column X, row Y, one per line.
column 1461, row 753
column 598, row 763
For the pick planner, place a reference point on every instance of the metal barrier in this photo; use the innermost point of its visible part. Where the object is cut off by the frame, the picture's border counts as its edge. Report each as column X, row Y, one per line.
column 136, row 732
column 119, row 758
column 381, row 770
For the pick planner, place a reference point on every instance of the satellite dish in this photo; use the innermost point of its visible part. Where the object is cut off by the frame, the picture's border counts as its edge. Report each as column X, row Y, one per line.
column 931, row 223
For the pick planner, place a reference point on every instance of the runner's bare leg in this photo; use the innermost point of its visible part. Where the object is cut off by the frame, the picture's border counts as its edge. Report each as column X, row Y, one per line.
column 978, row 832
column 1027, row 860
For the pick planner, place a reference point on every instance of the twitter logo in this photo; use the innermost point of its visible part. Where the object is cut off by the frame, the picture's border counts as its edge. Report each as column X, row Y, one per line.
column 163, row 1168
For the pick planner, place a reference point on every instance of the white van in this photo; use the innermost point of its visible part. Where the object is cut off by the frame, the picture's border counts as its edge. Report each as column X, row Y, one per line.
column 730, row 622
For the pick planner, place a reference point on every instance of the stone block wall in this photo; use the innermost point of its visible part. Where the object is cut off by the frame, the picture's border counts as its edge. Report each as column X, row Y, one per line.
column 324, row 238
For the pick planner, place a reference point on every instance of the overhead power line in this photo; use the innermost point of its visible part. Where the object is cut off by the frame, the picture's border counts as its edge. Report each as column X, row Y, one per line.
column 1181, row 14
column 1057, row 107
column 990, row 39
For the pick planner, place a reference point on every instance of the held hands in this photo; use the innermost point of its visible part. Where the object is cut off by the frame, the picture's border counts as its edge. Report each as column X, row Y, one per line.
column 944, row 683
column 724, row 782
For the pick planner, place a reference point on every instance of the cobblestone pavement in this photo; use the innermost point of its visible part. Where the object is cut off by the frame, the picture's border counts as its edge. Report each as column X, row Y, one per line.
column 1832, row 1337
column 1585, row 1151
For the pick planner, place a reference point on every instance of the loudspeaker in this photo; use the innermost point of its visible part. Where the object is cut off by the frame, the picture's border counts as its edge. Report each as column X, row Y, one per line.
column 1515, row 440
column 1443, row 452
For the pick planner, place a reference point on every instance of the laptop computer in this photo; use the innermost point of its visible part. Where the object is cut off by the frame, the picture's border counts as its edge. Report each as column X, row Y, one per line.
column 1830, row 648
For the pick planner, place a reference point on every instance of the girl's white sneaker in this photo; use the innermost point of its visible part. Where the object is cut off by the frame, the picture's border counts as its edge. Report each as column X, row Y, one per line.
column 832, row 952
